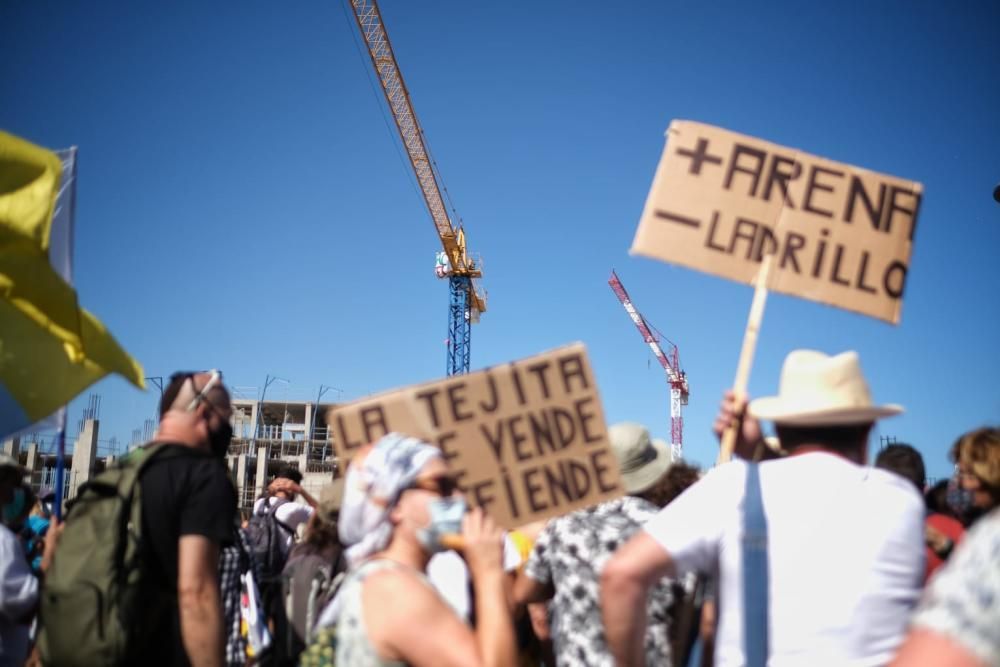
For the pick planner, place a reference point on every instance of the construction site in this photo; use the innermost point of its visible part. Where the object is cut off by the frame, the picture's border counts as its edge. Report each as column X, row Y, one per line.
column 271, row 435
column 268, row 436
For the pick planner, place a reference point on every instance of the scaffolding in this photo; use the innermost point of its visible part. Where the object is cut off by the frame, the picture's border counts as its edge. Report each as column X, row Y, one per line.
column 269, row 436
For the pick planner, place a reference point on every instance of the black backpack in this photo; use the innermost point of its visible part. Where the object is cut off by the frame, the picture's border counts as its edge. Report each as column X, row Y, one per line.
column 269, row 546
column 268, row 540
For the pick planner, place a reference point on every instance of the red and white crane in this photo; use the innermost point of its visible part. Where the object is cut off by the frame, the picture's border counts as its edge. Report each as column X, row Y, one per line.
column 676, row 378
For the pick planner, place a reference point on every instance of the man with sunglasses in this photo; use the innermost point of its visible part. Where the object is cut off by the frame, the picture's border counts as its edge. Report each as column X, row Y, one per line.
column 189, row 509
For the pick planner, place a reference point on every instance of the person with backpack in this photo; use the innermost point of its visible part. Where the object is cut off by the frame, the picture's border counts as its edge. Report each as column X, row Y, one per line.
column 280, row 499
column 271, row 532
column 188, row 510
column 134, row 579
column 313, row 567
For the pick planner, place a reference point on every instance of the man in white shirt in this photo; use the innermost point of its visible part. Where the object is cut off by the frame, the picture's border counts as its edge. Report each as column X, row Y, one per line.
column 281, row 495
column 844, row 541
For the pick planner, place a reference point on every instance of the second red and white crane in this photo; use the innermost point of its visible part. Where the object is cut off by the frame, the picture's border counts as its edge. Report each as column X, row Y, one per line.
column 676, row 378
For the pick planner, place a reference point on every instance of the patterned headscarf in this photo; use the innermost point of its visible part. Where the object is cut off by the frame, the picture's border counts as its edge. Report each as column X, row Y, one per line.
column 372, row 486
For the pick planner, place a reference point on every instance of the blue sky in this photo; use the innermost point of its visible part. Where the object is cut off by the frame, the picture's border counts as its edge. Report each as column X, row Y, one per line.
column 243, row 205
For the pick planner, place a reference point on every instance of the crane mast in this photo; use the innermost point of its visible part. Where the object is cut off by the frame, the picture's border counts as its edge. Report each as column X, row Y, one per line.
column 467, row 301
column 676, row 378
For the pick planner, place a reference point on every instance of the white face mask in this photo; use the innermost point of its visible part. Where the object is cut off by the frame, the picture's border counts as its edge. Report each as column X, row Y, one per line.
column 446, row 519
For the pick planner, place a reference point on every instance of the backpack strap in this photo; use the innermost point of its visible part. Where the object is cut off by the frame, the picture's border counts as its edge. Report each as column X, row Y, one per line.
column 155, row 451
column 272, row 510
column 755, row 572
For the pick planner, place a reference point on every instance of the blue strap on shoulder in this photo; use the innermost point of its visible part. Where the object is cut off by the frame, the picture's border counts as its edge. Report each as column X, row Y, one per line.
column 755, row 572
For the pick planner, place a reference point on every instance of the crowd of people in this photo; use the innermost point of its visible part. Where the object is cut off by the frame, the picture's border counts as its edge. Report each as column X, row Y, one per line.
column 797, row 552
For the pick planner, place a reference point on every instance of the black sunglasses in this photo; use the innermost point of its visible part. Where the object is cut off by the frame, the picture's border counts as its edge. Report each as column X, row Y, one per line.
column 443, row 485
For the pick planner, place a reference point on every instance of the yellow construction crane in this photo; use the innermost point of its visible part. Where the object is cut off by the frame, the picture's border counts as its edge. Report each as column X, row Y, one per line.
column 467, row 300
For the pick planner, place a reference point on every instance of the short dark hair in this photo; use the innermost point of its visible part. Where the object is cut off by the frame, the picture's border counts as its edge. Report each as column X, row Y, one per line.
column 904, row 460
column 290, row 472
column 841, row 438
column 176, row 383
column 173, row 388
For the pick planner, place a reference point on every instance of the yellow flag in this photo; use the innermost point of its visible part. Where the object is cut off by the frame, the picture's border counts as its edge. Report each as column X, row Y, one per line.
column 29, row 179
column 50, row 348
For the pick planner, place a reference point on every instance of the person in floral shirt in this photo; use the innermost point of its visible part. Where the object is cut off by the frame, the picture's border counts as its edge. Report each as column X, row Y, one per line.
column 958, row 621
column 566, row 561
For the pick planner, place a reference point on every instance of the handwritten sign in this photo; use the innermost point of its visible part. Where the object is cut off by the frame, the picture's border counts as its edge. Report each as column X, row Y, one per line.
column 721, row 202
column 526, row 440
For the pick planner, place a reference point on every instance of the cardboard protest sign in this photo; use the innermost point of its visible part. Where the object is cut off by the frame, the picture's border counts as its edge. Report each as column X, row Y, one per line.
column 721, row 202
column 526, row 440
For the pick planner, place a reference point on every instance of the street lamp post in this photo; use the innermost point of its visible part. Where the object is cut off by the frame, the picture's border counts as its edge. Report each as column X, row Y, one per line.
column 260, row 407
column 312, row 430
column 158, row 381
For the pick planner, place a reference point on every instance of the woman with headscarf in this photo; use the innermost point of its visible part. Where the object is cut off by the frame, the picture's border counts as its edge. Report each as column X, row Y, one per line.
column 400, row 504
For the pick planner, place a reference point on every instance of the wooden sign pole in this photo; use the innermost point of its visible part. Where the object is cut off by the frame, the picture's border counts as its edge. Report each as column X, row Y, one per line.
column 746, row 356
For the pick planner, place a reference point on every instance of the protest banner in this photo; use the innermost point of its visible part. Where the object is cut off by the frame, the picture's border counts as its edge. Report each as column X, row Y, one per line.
column 526, row 440
column 779, row 219
column 722, row 202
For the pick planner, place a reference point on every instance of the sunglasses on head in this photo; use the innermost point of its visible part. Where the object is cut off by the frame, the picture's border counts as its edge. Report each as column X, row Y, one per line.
column 443, row 485
column 201, row 396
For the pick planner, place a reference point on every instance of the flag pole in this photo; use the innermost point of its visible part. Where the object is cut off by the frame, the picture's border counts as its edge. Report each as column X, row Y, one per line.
column 60, row 466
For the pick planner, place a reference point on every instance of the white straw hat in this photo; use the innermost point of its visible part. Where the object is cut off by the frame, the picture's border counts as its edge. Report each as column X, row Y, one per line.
column 641, row 460
column 819, row 390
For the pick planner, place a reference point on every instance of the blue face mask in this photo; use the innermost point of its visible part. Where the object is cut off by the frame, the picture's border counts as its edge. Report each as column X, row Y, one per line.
column 15, row 508
column 446, row 519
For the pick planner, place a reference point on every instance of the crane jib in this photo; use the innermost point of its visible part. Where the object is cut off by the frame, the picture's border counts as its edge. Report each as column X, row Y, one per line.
column 372, row 27
column 466, row 300
column 675, row 377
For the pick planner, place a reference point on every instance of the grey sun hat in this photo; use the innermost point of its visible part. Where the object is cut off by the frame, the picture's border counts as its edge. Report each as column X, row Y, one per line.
column 641, row 460
column 330, row 498
column 662, row 444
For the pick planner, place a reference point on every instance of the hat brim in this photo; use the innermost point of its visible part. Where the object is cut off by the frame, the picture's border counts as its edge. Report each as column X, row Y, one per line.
column 637, row 481
column 782, row 411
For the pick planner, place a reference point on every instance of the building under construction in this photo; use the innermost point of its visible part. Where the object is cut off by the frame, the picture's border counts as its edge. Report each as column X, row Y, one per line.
column 270, row 435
